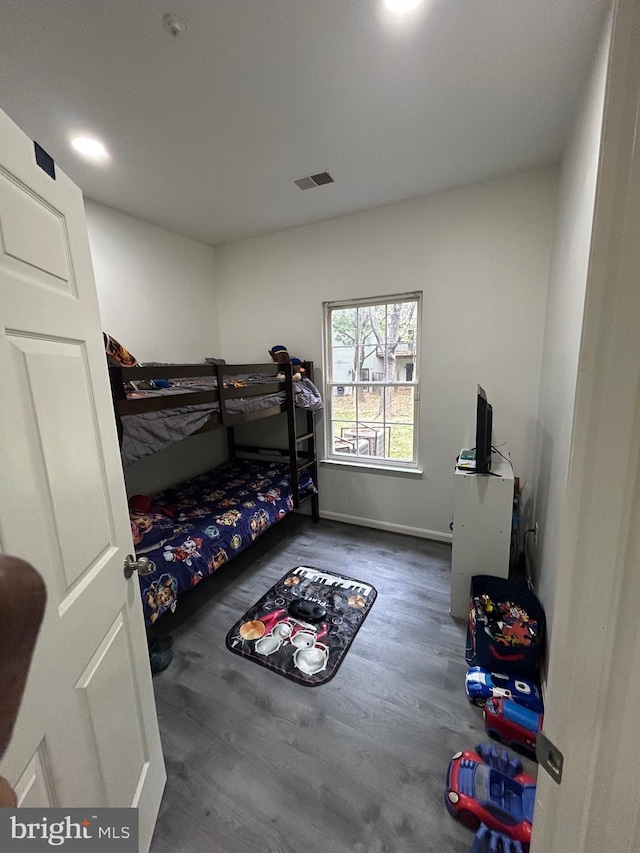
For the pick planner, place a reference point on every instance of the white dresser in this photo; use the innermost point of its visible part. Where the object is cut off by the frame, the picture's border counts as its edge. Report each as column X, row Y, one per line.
column 482, row 518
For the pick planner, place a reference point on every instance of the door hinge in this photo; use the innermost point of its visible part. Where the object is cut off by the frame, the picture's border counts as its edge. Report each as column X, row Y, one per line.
column 549, row 757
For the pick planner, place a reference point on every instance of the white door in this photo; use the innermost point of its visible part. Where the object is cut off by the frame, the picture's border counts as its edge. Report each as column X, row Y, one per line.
column 592, row 712
column 87, row 734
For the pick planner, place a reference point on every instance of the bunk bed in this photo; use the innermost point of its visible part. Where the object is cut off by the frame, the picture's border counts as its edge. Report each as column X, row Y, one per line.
column 190, row 530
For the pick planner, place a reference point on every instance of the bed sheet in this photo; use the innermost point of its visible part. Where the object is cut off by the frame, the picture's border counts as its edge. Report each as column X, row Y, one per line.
column 193, row 529
column 151, row 432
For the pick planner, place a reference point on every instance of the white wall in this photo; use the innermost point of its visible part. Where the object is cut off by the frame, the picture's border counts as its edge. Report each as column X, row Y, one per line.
column 156, row 289
column 565, row 309
column 481, row 255
column 157, row 296
column 179, row 462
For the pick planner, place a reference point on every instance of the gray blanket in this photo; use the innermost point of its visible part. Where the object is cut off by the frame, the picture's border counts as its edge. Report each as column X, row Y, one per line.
column 153, row 431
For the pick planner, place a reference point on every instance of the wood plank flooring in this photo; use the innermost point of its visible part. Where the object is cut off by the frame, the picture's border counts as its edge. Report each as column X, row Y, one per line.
column 259, row 764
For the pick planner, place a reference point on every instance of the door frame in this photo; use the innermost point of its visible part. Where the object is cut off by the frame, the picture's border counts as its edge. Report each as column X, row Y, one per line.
column 593, row 685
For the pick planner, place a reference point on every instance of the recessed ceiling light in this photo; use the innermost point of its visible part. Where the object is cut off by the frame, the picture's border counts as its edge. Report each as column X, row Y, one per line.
column 401, row 5
column 93, row 149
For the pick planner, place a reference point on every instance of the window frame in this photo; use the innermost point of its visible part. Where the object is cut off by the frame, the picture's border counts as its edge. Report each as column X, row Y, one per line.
column 330, row 383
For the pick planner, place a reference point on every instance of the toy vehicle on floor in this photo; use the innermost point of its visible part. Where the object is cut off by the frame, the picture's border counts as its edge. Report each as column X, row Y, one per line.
column 512, row 724
column 488, row 787
column 480, row 685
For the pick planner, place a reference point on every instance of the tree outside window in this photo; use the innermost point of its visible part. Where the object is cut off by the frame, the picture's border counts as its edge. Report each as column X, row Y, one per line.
column 372, row 368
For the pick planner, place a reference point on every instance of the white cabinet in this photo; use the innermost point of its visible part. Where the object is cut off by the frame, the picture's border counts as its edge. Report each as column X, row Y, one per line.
column 482, row 517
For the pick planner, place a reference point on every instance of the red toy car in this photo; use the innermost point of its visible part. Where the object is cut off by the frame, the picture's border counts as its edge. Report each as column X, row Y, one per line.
column 512, row 724
column 479, row 793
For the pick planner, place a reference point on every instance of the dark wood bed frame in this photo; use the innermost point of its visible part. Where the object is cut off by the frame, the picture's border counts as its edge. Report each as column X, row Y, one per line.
column 298, row 459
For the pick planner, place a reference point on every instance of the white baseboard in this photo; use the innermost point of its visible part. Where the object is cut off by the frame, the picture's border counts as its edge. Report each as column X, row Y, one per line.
column 387, row 525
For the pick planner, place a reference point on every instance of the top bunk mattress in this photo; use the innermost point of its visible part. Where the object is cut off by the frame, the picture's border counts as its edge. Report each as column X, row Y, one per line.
column 144, row 434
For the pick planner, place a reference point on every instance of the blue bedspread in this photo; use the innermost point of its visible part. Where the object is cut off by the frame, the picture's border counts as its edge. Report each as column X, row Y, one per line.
column 191, row 530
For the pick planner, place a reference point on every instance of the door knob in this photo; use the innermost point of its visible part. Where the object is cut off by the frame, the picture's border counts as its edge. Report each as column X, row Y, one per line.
column 143, row 566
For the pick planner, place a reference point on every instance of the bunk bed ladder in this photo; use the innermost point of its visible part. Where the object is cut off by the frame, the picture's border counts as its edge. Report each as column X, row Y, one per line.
column 292, row 435
column 310, row 454
column 300, row 460
column 312, row 462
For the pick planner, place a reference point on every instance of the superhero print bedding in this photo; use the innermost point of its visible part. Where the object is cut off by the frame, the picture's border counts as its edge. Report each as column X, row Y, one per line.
column 192, row 529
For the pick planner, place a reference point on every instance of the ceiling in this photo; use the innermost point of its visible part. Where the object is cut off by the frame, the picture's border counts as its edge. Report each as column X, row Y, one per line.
column 208, row 131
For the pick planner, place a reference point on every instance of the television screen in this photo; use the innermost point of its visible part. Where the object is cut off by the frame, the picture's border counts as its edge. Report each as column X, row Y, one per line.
column 484, row 426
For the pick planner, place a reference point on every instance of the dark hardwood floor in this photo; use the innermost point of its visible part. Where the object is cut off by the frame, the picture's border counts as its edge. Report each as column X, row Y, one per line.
column 259, row 764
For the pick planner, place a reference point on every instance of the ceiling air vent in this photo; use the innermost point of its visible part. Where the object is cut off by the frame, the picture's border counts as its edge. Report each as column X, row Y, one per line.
column 305, row 184
column 314, row 181
column 322, row 178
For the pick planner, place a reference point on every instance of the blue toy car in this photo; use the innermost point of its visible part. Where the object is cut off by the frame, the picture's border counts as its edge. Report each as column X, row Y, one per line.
column 488, row 788
column 481, row 684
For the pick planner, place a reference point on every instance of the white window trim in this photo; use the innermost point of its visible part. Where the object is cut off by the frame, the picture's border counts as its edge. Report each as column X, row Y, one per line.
column 378, row 469
column 391, row 465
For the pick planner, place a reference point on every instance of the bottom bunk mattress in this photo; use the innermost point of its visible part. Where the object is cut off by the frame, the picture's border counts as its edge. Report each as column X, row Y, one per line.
column 192, row 529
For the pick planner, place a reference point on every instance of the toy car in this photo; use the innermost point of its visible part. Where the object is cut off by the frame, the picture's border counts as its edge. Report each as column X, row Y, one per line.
column 511, row 723
column 478, row 793
column 480, row 685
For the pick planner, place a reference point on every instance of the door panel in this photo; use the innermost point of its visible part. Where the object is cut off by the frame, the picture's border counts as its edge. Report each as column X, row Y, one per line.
column 113, row 707
column 33, row 789
column 87, row 733
column 23, row 213
column 78, row 493
column 71, row 455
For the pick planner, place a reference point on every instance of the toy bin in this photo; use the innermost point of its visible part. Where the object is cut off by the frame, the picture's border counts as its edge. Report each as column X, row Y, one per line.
column 506, row 627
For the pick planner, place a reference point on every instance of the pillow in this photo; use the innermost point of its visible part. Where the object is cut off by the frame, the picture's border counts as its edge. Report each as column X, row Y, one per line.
column 151, row 525
column 151, row 530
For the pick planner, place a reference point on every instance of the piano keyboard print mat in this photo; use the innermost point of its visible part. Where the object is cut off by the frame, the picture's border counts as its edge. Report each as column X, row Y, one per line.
column 307, row 653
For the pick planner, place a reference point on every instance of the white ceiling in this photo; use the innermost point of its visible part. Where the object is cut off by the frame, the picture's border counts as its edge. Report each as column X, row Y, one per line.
column 208, row 131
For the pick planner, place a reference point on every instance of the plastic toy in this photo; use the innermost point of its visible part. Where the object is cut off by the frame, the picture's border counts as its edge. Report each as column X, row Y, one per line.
column 280, row 355
column 480, row 685
column 307, row 611
column 504, row 621
column 487, row 787
column 512, row 724
column 506, row 627
column 487, row 841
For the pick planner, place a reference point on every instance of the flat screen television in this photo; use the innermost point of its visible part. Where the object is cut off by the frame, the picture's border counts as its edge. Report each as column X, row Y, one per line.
column 484, row 425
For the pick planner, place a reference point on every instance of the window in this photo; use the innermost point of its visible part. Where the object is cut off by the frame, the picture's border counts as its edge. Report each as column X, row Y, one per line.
column 371, row 363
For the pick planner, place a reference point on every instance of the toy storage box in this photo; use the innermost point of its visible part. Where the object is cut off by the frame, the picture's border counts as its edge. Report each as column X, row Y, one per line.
column 482, row 648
